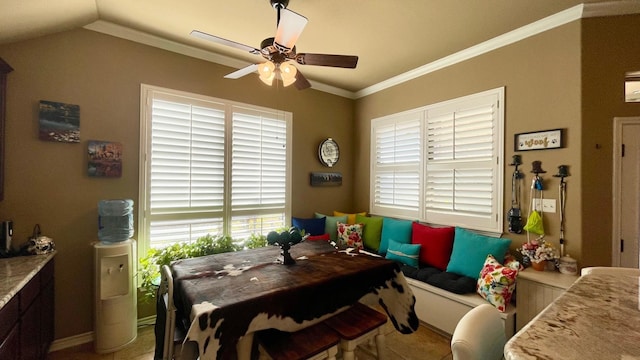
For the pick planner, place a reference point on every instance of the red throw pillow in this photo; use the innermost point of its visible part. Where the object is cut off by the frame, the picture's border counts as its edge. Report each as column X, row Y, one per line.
column 324, row 237
column 436, row 244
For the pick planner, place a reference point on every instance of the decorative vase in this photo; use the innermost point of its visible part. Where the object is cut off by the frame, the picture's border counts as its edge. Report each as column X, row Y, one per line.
column 540, row 265
column 285, row 257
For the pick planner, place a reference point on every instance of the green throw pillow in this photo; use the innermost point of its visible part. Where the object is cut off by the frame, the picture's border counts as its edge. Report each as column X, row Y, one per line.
column 371, row 232
column 331, row 225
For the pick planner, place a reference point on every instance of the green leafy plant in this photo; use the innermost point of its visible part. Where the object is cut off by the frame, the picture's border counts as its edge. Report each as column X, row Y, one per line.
column 205, row 245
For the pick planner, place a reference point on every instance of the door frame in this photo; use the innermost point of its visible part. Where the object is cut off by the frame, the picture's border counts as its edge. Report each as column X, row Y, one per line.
column 618, row 124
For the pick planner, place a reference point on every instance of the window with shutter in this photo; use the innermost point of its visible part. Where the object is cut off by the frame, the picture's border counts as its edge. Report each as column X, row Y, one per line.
column 395, row 179
column 457, row 178
column 210, row 166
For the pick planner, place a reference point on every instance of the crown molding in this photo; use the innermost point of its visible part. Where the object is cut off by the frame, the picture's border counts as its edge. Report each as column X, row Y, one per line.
column 612, row 8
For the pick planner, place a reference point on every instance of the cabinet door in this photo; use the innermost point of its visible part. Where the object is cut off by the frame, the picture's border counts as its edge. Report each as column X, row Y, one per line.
column 30, row 332
column 9, row 349
column 47, row 304
column 531, row 298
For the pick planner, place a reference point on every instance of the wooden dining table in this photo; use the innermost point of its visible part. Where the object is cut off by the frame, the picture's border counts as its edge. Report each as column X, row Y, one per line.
column 227, row 297
column 597, row 318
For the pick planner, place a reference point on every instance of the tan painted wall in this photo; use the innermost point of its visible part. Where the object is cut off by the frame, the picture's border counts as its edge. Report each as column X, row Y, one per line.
column 610, row 48
column 571, row 77
column 46, row 182
column 541, row 76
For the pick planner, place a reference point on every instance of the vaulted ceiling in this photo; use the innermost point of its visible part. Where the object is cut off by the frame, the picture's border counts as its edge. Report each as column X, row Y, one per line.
column 390, row 37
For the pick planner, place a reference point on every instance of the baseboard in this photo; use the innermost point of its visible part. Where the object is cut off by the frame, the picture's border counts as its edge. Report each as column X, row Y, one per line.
column 71, row 341
column 87, row 337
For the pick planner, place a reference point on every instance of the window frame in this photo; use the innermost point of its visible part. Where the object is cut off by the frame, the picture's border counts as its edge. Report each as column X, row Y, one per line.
column 491, row 225
column 147, row 93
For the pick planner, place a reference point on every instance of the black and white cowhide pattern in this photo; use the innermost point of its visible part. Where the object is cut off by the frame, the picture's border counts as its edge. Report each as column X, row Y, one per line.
column 207, row 330
column 396, row 297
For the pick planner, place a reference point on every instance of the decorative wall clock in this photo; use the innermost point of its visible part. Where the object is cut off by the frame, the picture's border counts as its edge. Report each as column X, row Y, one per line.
column 328, row 152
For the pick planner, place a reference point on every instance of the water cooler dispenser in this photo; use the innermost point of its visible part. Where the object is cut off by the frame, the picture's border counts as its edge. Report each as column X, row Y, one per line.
column 116, row 313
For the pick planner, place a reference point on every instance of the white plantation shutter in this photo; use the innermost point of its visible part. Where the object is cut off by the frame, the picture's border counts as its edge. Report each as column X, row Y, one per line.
column 462, row 163
column 259, row 158
column 187, row 157
column 460, row 178
column 259, row 171
column 192, row 185
column 395, row 170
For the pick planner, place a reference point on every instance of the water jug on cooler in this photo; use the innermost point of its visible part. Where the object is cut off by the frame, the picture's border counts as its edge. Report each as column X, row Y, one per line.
column 115, row 220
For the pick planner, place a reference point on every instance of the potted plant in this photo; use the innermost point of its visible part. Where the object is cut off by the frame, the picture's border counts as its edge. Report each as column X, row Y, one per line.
column 539, row 252
column 205, row 245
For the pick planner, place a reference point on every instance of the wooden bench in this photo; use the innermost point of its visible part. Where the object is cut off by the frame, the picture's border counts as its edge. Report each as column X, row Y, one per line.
column 359, row 324
column 315, row 342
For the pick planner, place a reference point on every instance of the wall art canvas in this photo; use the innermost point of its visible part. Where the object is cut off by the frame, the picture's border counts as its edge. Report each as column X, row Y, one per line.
column 105, row 159
column 59, row 122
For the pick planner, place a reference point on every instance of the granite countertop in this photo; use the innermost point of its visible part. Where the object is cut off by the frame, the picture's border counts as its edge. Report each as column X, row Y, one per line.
column 597, row 318
column 16, row 272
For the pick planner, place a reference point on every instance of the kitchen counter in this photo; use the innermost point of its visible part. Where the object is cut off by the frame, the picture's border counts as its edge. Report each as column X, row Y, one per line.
column 597, row 318
column 16, row 272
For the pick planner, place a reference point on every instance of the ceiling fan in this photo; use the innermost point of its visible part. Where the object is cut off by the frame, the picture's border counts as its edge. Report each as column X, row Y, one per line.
column 280, row 51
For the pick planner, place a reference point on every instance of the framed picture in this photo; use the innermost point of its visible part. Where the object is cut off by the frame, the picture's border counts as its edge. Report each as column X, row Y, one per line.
column 105, row 159
column 59, row 122
column 326, row 178
column 539, row 140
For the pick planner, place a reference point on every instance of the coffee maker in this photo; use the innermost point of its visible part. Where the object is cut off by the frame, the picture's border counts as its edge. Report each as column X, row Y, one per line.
column 6, row 234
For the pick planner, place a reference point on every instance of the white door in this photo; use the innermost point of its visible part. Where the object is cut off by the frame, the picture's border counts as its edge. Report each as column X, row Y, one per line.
column 626, row 199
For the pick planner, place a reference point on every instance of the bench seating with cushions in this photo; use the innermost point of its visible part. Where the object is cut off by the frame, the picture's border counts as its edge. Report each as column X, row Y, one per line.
column 450, row 270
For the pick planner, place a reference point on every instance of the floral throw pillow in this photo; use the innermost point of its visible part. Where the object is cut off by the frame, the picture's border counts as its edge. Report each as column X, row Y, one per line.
column 497, row 282
column 350, row 235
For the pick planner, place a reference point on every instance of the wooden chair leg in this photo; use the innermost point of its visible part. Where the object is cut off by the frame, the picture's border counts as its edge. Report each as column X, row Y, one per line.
column 358, row 325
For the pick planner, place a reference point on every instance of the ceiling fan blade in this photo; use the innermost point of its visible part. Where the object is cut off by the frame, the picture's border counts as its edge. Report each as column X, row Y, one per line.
column 301, row 81
column 219, row 40
column 242, row 72
column 289, row 29
column 343, row 61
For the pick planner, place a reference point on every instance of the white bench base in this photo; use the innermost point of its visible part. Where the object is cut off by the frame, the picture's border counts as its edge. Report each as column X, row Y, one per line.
column 442, row 309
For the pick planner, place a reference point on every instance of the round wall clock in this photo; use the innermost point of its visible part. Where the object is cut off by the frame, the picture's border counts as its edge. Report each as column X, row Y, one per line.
column 328, row 152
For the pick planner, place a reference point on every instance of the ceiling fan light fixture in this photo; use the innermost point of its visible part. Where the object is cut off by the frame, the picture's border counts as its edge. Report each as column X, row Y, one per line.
column 288, row 73
column 289, row 29
column 267, row 72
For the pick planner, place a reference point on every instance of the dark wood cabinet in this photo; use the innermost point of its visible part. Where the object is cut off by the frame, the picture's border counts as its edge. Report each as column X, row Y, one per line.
column 26, row 321
column 9, row 329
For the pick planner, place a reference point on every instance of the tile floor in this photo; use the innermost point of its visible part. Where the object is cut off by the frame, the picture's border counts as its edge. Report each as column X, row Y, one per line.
column 423, row 345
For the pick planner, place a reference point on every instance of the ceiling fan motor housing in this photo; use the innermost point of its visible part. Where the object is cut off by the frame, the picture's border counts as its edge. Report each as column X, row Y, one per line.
column 281, row 4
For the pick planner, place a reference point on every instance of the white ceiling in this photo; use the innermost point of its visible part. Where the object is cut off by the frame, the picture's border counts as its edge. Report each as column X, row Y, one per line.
column 390, row 37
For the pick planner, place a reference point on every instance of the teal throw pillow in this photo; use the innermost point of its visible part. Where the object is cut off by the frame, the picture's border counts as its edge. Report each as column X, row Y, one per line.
column 404, row 253
column 398, row 230
column 371, row 232
column 331, row 224
column 470, row 250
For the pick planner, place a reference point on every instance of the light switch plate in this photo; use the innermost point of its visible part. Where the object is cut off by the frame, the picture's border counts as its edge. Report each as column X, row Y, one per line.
column 548, row 205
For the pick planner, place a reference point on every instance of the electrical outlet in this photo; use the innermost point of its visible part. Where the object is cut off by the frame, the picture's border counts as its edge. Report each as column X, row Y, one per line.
column 547, row 205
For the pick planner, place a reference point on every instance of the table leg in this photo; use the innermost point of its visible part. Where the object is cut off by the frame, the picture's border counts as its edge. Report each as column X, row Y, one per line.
column 244, row 347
